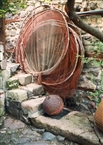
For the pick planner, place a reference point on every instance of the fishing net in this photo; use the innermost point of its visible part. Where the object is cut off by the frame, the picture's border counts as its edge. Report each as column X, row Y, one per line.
column 49, row 47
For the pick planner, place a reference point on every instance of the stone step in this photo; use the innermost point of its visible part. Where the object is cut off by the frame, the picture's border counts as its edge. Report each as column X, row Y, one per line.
column 13, row 67
column 12, row 83
column 34, row 89
column 13, row 101
column 75, row 126
column 2, row 103
column 16, row 95
column 6, row 74
column 23, row 78
column 21, row 105
column 32, row 107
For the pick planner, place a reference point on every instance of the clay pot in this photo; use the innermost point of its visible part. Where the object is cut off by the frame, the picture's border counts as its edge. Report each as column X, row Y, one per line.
column 53, row 105
column 99, row 116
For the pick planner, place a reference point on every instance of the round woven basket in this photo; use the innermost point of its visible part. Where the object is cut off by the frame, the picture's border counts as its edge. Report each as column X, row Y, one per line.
column 50, row 48
column 99, row 116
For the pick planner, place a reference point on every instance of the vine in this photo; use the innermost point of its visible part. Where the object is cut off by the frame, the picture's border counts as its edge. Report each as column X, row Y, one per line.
column 98, row 49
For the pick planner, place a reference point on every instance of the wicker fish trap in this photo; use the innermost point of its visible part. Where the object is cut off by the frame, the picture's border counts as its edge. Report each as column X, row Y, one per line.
column 49, row 47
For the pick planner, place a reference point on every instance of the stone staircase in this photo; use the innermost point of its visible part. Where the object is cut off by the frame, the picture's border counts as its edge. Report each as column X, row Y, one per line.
column 22, row 97
column 15, row 87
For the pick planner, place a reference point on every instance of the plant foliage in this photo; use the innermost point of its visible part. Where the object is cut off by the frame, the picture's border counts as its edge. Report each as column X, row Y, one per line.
column 11, row 6
column 96, row 96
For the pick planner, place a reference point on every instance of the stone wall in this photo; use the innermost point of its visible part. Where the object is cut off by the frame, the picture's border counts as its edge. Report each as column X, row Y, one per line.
column 13, row 26
column 90, row 79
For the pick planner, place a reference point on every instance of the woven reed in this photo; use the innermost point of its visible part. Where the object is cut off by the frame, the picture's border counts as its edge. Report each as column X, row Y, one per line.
column 48, row 47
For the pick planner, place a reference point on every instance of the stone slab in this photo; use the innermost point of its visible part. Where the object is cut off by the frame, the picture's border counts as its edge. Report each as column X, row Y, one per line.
column 2, row 103
column 38, row 143
column 17, row 95
column 97, row 131
column 79, row 1
column 24, row 79
column 32, row 106
column 87, row 84
column 1, row 82
column 3, row 64
column 13, row 124
column 12, row 83
column 35, row 89
column 13, row 108
column 13, row 66
column 74, row 126
column 6, row 74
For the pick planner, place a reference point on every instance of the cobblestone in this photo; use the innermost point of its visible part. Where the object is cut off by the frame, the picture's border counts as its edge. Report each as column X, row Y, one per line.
column 22, row 134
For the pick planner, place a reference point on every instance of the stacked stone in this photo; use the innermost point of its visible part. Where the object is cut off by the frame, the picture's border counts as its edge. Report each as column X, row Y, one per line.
column 15, row 88
column 23, row 98
column 13, row 29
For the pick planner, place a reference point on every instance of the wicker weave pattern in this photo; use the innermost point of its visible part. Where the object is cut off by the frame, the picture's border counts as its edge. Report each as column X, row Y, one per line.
column 48, row 47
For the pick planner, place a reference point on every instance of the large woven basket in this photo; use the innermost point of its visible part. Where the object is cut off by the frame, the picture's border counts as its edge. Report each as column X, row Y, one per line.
column 50, row 48
column 99, row 116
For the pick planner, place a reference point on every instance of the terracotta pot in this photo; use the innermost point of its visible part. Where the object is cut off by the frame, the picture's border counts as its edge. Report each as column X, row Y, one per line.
column 99, row 116
column 53, row 105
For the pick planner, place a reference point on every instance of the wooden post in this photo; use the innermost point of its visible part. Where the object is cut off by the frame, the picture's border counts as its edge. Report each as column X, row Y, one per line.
column 2, row 43
column 2, row 31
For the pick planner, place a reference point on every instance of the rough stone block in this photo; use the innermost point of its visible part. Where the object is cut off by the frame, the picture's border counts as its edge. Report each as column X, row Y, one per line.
column 79, row 1
column 55, row 2
column 14, row 108
column 13, row 66
column 13, row 124
column 12, row 104
column 12, row 83
column 37, row 4
column 2, row 118
column 87, row 84
column 36, row 89
column 14, row 112
column 31, row 106
column 25, row 79
column 2, row 103
column 3, row 64
column 6, row 74
column 17, row 95
column 75, row 126
column 29, row 93
column 100, row 4
column 1, row 82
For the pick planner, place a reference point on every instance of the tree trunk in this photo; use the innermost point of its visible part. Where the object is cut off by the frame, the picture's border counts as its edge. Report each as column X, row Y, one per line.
column 2, row 32
column 2, row 29
column 77, row 21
